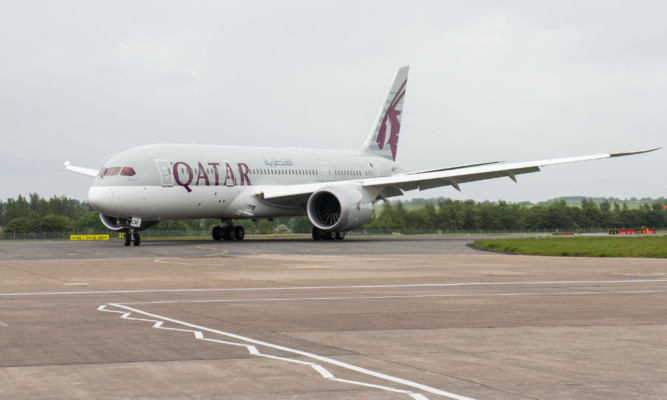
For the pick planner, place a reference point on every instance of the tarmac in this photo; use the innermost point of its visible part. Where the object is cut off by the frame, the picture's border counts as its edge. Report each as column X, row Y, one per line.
column 390, row 318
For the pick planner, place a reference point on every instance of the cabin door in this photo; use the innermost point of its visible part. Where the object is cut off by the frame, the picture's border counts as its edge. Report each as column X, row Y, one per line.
column 166, row 177
column 327, row 171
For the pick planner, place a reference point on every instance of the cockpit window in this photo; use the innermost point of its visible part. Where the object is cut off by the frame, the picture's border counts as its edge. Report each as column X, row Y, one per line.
column 112, row 171
column 102, row 171
column 127, row 171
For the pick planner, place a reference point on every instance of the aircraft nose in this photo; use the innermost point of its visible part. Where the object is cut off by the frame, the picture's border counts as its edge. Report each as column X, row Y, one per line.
column 100, row 198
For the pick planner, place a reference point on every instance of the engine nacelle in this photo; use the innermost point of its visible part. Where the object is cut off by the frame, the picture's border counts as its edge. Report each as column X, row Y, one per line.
column 123, row 224
column 339, row 208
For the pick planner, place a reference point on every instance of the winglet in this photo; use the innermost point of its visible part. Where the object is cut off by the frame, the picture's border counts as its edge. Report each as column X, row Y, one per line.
column 634, row 152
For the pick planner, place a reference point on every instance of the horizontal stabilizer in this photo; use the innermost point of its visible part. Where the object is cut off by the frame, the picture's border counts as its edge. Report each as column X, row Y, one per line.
column 81, row 170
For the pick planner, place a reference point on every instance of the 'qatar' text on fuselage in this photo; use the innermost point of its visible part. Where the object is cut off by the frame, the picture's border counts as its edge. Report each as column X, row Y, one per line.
column 185, row 176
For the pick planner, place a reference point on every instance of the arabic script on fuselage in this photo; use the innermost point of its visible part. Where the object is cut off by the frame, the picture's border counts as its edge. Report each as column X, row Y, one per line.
column 285, row 162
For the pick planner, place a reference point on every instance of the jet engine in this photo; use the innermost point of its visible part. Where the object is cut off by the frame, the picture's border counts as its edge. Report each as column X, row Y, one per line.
column 339, row 208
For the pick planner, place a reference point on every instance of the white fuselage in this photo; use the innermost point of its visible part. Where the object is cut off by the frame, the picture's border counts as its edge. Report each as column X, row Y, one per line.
column 195, row 181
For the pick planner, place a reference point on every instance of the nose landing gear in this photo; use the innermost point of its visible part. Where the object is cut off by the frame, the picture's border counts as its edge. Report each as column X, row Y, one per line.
column 132, row 237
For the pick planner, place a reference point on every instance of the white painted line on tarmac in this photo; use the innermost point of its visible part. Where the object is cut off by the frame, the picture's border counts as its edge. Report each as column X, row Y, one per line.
column 417, row 285
column 158, row 322
column 398, row 296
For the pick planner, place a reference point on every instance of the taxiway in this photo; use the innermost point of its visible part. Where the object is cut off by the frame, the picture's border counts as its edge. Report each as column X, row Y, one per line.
column 362, row 319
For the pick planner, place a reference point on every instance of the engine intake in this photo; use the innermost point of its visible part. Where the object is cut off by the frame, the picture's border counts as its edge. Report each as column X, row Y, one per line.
column 339, row 208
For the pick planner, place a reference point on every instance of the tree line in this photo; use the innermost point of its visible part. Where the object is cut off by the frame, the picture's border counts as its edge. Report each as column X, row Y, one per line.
column 61, row 214
column 455, row 215
column 36, row 214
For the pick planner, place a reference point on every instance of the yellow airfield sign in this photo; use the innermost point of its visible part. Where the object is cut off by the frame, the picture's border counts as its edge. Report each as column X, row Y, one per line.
column 89, row 237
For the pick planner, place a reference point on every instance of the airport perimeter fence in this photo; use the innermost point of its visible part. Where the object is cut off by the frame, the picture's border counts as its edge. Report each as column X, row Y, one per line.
column 205, row 234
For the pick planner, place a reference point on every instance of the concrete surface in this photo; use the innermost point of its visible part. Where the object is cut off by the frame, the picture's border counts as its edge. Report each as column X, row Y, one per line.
column 296, row 319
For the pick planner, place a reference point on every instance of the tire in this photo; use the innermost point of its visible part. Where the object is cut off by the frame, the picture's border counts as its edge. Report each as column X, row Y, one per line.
column 217, row 233
column 239, row 232
column 127, row 239
column 137, row 239
column 340, row 235
column 228, row 233
column 317, row 233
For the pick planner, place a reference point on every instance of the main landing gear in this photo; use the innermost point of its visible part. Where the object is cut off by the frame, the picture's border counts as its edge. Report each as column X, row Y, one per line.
column 319, row 234
column 228, row 232
column 132, row 237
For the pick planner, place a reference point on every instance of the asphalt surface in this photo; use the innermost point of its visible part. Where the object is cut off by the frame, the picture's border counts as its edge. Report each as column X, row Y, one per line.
column 297, row 319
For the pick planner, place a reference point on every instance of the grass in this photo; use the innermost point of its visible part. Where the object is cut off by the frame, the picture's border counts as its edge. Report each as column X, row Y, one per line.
column 636, row 246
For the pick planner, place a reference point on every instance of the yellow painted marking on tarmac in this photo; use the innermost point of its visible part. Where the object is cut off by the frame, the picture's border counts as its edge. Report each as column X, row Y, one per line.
column 217, row 252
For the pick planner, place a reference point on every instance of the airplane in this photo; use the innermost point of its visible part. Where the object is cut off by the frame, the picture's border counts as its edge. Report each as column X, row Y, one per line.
column 336, row 189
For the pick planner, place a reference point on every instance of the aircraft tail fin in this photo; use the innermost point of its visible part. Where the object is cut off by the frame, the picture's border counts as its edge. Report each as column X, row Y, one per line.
column 383, row 138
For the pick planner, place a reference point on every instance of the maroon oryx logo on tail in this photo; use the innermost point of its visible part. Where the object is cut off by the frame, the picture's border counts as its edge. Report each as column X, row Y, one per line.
column 392, row 115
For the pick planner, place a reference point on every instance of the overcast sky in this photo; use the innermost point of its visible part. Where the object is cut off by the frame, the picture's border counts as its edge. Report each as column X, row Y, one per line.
column 517, row 81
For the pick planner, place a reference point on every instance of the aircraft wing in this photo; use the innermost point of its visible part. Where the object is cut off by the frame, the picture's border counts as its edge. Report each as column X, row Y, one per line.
column 81, row 170
column 397, row 184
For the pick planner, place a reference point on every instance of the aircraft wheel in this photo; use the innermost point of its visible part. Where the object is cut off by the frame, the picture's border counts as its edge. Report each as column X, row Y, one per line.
column 127, row 239
column 137, row 239
column 228, row 233
column 239, row 232
column 329, row 235
column 317, row 233
column 217, row 233
column 340, row 235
